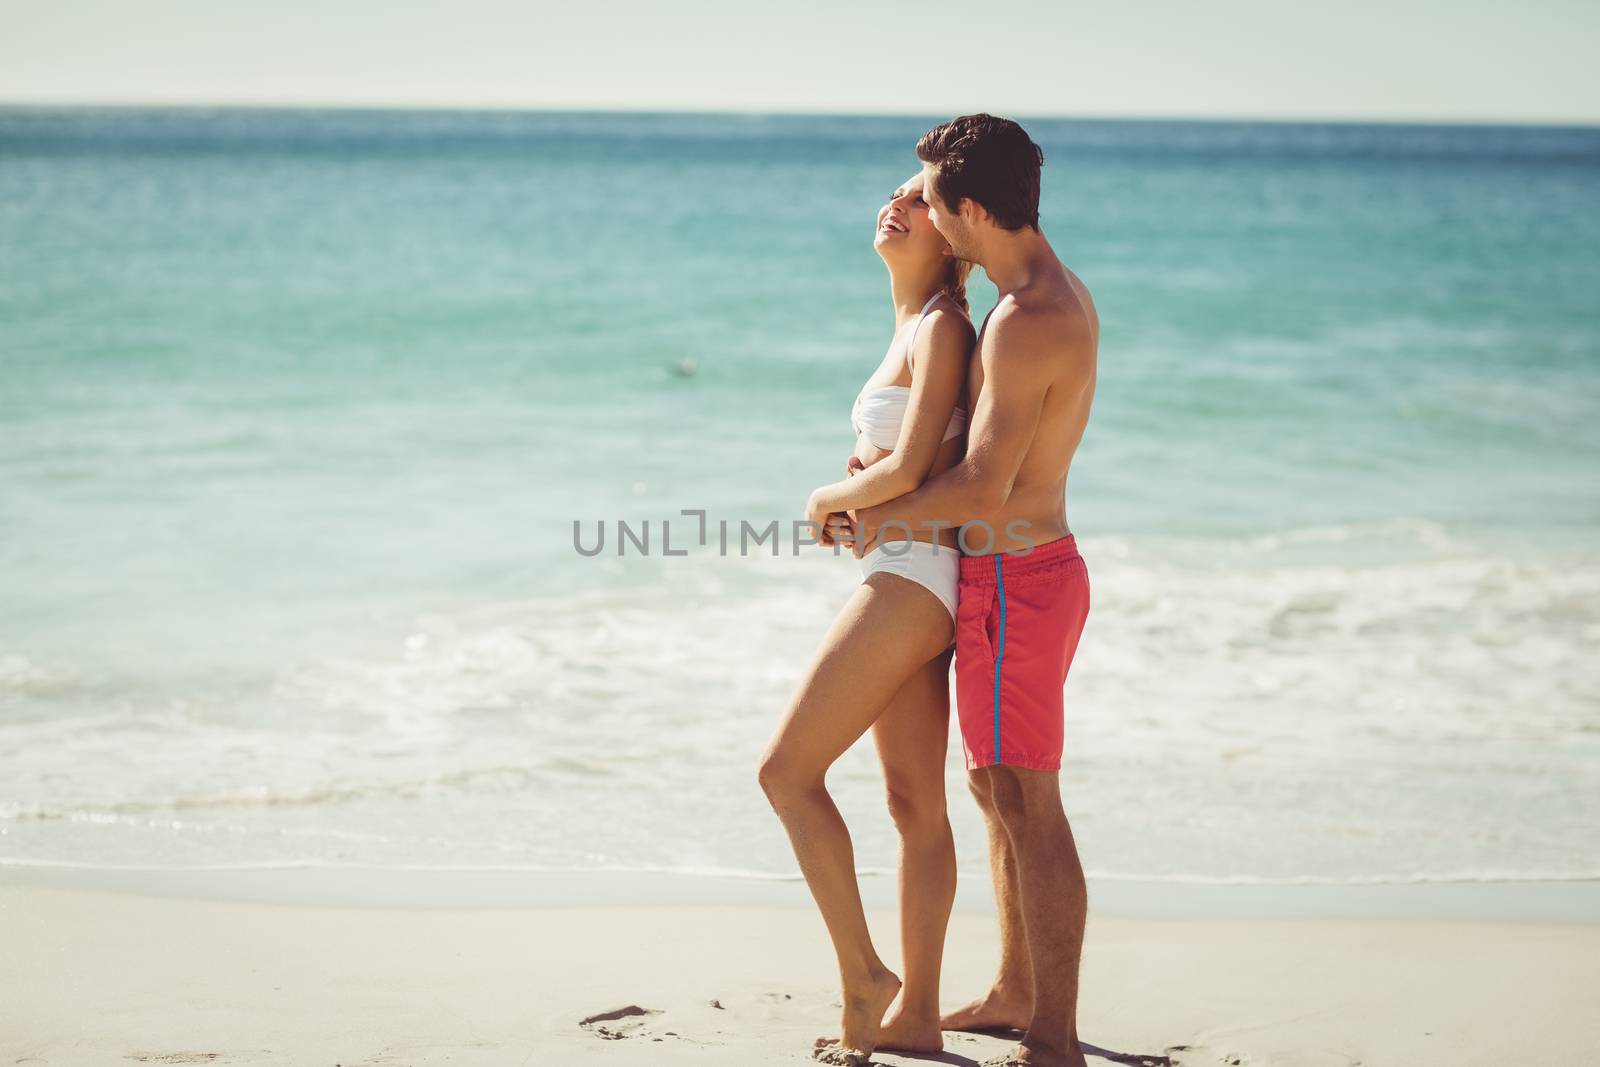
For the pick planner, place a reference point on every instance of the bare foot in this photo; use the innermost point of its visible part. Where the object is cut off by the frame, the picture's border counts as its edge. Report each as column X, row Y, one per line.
column 904, row 1032
column 860, row 1023
column 901, row 1033
column 1029, row 1055
column 995, row 1010
column 827, row 1051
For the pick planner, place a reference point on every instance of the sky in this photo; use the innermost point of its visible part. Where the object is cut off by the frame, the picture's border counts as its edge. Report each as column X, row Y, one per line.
column 1459, row 61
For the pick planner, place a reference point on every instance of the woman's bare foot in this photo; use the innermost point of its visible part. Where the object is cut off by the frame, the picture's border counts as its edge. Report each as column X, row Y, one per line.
column 828, row 1050
column 904, row 1032
column 900, row 1033
column 861, row 1021
column 1024, row 1055
column 997, row 1009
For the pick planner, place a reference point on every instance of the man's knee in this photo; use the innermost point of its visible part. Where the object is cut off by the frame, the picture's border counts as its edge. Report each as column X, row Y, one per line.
column 1024, row 801
column 981, row 787
column 1005, row 798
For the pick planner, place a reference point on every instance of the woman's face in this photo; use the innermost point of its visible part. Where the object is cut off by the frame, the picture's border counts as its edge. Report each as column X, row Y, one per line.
column 904, row 231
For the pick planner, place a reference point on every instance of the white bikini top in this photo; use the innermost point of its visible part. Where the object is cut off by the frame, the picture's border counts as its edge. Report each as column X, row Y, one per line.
column 878, row 413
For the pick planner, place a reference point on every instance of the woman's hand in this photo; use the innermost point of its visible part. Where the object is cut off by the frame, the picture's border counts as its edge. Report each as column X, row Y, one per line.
column 853, row 466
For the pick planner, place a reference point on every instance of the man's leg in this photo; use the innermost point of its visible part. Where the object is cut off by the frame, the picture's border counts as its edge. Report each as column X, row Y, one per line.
column 1009, row 1002
column 1054, row 903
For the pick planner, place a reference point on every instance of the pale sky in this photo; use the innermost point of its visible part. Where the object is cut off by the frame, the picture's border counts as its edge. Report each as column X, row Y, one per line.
column 1449, row 60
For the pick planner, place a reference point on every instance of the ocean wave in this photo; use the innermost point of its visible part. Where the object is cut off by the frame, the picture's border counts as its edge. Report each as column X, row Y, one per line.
column 18, row 674
column 266, row 798
column 1332, row 702
column 1469, row 877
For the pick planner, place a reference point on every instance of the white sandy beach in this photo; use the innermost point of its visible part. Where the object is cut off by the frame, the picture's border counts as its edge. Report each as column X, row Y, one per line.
column 100, row 978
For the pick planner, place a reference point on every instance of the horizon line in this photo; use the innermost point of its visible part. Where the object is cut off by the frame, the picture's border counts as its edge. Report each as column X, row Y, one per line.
column 9, row 104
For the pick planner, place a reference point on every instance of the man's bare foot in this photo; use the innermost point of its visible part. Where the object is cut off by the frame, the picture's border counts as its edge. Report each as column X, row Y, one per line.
column 995, row 1010
column 902, row 1032
column 1031, row 1055
column 860, row 1022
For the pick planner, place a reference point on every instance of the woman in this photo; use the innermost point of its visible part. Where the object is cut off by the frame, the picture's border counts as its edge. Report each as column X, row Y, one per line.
column 885, row 662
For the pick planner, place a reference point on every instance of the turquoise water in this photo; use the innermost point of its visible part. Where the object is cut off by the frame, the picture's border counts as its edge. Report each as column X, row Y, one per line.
column 298, row 409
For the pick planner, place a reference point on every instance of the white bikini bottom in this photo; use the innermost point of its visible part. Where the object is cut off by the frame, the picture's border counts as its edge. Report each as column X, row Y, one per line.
column 935, row 567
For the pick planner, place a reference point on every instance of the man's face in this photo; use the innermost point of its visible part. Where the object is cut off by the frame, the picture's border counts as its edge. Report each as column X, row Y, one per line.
column 949, row 224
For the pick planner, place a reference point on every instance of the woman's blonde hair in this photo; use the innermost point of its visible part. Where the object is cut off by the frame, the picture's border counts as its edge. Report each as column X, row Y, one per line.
column 955, row 282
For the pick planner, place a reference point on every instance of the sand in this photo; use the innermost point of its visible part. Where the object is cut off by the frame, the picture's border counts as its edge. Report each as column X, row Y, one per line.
column 104, row 978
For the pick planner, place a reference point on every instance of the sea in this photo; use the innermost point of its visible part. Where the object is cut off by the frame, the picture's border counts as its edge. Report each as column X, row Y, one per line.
column 311, row 422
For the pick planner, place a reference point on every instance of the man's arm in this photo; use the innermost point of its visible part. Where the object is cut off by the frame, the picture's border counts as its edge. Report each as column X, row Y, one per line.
column 939, row 372
column 1021, row 361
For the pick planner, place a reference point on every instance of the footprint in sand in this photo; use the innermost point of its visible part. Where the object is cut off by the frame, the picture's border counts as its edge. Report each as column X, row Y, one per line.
column 1211, row 1056
column 619, row 1023
column 1136, row 1059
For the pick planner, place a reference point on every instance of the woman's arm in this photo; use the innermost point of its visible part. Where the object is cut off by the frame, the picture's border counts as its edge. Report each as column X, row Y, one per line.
column 938, row 376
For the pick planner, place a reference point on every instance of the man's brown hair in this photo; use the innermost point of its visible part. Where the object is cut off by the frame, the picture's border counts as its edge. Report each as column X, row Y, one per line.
column 991, row 161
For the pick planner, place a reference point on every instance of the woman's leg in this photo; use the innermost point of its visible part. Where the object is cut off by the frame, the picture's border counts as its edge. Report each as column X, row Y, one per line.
column 884, row 633
column 912, row 736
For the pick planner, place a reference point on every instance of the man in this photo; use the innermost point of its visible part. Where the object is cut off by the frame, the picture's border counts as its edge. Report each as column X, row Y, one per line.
column 1024, row 591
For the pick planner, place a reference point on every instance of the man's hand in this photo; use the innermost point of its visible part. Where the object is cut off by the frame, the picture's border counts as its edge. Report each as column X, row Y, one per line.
column 831, row 526
column 865, row 531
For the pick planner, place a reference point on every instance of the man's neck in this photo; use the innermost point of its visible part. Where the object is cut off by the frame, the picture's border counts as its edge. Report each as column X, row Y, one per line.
column 1014, row 258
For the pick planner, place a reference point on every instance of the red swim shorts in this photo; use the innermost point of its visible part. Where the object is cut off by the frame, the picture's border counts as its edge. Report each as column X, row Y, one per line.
column 1018, row 621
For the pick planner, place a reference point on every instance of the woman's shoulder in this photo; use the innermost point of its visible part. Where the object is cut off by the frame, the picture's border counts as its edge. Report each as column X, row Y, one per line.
column 945, row 334
column 946, row 326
